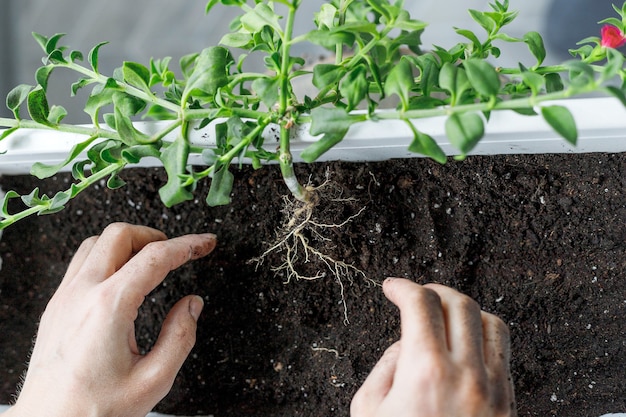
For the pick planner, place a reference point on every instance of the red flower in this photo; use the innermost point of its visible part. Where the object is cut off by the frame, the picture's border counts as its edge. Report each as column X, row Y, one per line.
column 612, row 37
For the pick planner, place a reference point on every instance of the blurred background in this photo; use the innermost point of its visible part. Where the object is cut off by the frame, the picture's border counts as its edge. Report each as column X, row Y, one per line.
column 140, row 29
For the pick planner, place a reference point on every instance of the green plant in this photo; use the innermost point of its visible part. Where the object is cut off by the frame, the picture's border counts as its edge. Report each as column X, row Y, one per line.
column 377, row 54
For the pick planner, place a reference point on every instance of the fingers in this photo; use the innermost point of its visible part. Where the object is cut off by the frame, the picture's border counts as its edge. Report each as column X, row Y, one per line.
column 378, row 383
column 117, row 244
column 497, row 348
column 78, row 260
column 148, row 267
column 177, row 338
column 422, row 319
column 464, row 325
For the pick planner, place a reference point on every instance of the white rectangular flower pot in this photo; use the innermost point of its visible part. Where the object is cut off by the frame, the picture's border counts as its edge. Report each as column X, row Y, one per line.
column 601, row 124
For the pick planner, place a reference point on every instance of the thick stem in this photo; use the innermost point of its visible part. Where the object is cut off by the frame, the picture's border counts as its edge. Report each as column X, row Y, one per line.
column 285, row 158
column 286, row 167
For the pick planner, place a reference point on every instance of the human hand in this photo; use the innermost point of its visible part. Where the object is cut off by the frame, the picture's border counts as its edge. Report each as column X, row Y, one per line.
column 452, row 359
column 86, row 361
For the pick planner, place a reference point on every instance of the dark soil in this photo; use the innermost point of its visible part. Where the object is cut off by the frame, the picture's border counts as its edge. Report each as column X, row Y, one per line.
column 538, row 240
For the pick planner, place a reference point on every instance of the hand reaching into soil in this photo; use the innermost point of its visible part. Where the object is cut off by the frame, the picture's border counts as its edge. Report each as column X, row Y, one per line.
column 452, row 359
column 85, row 361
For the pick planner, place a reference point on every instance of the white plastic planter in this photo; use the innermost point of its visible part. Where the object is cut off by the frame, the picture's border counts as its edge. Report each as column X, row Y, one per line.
column 601, row 124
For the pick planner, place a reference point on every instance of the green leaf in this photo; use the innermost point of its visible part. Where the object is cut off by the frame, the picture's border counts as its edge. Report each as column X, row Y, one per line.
column 471, row 36
column 465, row 130
column 617, row 93
column 330, row 38
column 51, row 44
column 134, row 154
column 453, row 79
column 114, row 182
column 237, row 40
column 4, row 206
column 42, row 75
column 318, row 148
column 41, row 40
column 332, row 120
column 97, row 100
column 554, row 82
column 262, row 15
column 126, row 106
column 137, row 75
column 400, row 81
column 16, row 97
column 429, row 73
column 615, row 63
column 267, row 89
column 93, row 56
column 483, row 77
column 354, row 87
column 562, row 121
column 42, row 171
column 210, row 5
column 536, row 46
column 325, row 75
column 326, row 16
column 221, row 187
column 80, row 84
column 534, row 81
column 426, row 145
column 57, row 113
column 209, row 74
column 484, row 20
column 5, row 133
column 174, row 159
column 33, row 199
column 38, row 106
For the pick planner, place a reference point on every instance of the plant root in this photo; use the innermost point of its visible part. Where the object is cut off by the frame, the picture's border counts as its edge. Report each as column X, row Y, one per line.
column 304, row 240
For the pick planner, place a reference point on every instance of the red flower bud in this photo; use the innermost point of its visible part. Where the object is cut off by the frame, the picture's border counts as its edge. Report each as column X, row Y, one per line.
column 612, row 37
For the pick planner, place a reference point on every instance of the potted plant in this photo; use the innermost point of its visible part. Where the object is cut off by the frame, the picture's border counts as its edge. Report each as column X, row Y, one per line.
column 459, row 87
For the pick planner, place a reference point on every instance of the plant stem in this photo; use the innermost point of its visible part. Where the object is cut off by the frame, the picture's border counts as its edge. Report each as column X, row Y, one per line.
column 77, row 129
column 75, row 190
column 285, row 157
column 127, row 88
column 286, row 167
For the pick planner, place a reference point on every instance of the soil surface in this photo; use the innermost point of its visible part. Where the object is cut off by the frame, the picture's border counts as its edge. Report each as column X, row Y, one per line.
column 538, row 240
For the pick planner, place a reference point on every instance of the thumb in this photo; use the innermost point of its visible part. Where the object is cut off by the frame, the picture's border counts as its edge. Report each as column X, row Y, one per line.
column 177, row 338
column 377, row 385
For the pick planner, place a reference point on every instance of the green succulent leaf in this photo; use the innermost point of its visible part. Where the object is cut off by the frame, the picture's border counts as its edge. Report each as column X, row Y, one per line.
column 42, row 171
column 38, row 108
column 209, row 74
column 354, row 86
column 464, row 130
column 137, row 75
column 174, row 159
column 400, row 81
column 221, row 186
column 42, row 75
column 536, row 46
column 562, row 121
column 16, row 97
column 483, row 77
column 267, row 88
column 325, row 75
column 324, row 144
column 426, row 145
column 93, row 56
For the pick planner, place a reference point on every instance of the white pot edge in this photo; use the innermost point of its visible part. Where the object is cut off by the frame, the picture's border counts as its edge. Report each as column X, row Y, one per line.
column 601, row 124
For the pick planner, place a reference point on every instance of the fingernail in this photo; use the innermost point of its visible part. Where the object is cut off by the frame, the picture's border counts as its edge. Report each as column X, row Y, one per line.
column 388, row 280
column 195, row 306
column 210, row 236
